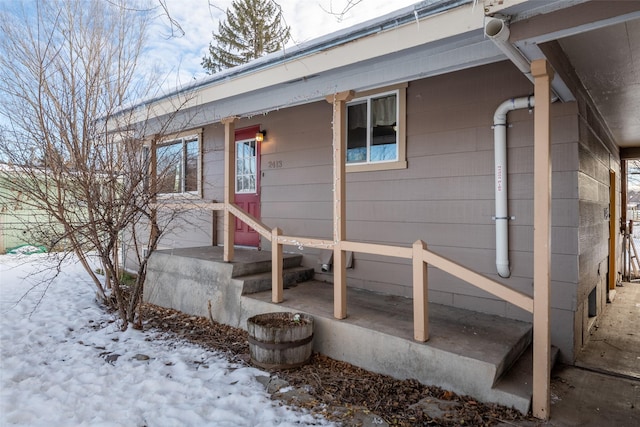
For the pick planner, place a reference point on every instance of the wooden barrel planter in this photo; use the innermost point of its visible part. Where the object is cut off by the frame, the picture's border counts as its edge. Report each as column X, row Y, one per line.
column 280, row 340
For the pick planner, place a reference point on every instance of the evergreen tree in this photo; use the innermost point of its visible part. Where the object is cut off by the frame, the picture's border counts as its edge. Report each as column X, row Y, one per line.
column 252, row 29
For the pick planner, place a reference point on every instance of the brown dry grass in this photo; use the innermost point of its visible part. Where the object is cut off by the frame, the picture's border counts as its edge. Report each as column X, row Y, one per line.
column 334, row 384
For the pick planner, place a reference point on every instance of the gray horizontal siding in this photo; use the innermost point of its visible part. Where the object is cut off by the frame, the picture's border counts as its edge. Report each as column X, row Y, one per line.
column 297, row 173
column 477, row 236
column 445, row 196
column 424, row 188
column 299, row 193
column 213, row 161
column 189, row 229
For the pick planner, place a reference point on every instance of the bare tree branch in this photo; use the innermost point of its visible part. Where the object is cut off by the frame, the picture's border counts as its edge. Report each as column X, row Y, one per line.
column 340, row 13
column 72, row 152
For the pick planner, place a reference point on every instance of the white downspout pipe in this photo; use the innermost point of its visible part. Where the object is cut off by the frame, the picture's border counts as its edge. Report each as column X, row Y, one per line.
column 498, row 32
column 500, row 149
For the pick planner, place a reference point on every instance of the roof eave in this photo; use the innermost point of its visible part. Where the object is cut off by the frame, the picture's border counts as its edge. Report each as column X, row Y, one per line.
column 403, row 29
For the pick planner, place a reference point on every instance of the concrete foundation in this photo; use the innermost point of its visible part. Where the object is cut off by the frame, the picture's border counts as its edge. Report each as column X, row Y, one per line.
column 468, row 352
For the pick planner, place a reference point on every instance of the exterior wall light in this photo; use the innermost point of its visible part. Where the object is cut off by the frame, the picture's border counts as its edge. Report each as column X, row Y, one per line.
column 260, row 135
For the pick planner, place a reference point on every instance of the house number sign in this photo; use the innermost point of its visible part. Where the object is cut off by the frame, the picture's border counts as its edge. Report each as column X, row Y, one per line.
column 274, row 164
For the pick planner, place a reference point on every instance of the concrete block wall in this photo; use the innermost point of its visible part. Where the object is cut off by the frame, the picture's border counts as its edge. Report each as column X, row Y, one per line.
column 596, row 159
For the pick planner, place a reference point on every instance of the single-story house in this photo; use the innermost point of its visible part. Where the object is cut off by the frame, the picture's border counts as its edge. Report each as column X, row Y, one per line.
column 420, row 144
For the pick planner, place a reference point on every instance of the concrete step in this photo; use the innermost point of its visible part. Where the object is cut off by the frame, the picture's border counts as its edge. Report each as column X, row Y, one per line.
column 467, row 352
column 513, row 354
column 517, row 382
column 256, row 265
column 262, row 281
column 198, row 281
column 245, row 261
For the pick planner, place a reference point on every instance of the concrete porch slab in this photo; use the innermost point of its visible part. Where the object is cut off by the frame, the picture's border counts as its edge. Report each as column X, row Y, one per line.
column 245, row 261
column 467, row 351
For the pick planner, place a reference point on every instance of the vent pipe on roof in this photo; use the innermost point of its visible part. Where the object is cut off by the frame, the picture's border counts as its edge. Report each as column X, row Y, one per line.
column 500, row 151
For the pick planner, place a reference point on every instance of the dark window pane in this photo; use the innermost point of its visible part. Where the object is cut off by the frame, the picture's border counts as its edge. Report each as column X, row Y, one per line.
column 178, row 166
column 384, row 139
column 357, row 133
column 384, row 136
column 169, row 168
column 192, row 155
column 383, row 111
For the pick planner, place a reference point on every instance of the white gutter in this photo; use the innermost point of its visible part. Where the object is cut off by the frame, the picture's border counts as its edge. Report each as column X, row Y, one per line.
column 500, row 149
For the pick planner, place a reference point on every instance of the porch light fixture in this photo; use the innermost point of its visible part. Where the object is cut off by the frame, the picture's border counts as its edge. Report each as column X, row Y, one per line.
column 260, row 135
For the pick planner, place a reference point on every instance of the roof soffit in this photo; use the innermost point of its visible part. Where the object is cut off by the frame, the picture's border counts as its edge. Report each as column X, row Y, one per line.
column 601, row 41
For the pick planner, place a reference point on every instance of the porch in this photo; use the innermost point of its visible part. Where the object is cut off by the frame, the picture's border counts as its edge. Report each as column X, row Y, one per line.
column 215, row 289
column 484, row 356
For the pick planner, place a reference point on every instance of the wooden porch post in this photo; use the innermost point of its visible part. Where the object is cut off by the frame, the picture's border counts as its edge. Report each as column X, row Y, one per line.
column 276, row 267
column 543, row 74
column 229, row 185
column 339, row 101
column 420, row 294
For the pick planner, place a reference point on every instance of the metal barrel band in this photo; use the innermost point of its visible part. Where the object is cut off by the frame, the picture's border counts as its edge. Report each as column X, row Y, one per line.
column 280, row 345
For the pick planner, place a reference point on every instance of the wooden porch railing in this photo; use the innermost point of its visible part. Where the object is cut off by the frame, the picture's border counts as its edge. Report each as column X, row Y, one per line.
column 418, row 253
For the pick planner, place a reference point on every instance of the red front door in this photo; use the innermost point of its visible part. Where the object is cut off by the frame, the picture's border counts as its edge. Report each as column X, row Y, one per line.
column 247, row 183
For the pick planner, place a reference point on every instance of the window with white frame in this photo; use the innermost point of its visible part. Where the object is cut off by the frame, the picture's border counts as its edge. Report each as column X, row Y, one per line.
column 178, row 166
column 375, row 130
column 246, row 166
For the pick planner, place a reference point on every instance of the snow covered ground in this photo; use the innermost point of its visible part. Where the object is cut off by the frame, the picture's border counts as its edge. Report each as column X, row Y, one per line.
column 63, row 362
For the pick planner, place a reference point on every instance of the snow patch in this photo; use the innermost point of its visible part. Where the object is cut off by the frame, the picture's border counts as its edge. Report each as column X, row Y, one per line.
column 65, row 362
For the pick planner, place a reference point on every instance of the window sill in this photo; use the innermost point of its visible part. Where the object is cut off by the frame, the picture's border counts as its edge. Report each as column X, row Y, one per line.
column 368, row 167
column 179, row 196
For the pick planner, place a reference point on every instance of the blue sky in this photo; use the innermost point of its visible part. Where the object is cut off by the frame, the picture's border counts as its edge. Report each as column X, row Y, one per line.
column 179, row 58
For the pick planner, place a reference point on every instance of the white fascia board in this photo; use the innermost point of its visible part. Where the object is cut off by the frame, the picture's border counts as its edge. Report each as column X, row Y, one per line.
column 415, row 64
column 572, row 30
column 432, row 28
column 525, row 9
column 492, row 7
